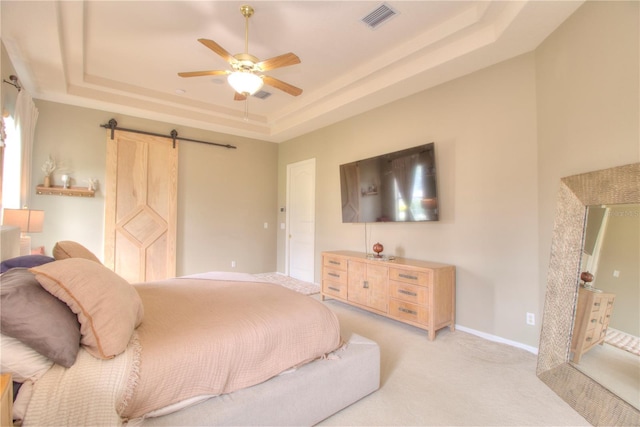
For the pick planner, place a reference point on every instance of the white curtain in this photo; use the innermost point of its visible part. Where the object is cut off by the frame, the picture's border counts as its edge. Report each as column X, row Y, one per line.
column 26, row 116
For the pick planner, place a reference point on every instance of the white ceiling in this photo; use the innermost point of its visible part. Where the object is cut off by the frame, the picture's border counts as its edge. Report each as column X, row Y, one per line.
column 124, row 56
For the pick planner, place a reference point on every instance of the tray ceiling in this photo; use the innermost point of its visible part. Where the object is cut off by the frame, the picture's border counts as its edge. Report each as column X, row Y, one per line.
column 124, row 56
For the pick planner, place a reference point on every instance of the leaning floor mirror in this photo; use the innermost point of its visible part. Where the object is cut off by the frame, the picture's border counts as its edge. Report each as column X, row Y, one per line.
column 582, row 304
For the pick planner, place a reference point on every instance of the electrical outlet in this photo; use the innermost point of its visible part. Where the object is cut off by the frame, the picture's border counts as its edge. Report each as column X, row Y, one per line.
column 531, row 319
column 233, row 264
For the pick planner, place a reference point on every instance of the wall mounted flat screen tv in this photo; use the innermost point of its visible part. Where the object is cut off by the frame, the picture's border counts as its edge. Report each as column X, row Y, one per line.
column 393, row 187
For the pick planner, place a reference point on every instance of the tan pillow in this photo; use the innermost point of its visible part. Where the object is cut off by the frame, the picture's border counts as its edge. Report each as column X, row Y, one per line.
column 69, row 249
column 108, row 307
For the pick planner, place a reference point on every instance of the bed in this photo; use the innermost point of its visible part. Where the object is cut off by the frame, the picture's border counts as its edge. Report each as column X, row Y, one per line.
column 210, row 349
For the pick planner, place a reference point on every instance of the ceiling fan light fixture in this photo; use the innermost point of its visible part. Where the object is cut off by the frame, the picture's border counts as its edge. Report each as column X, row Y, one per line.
column 245, row 82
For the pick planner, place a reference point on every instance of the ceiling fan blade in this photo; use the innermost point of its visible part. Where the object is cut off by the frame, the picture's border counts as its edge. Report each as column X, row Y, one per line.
column 239, row 97
column 203, row 73
column 279, row 84
column 219, row 50
column 279, row 61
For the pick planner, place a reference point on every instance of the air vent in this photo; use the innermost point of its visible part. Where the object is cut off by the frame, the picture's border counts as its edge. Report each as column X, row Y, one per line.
column 380, row 15
column 262, row 94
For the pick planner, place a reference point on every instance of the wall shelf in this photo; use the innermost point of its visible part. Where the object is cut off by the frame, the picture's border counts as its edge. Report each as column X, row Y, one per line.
column 59, row 190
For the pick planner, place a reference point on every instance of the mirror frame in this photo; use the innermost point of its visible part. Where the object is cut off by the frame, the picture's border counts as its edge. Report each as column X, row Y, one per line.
column 594, row 402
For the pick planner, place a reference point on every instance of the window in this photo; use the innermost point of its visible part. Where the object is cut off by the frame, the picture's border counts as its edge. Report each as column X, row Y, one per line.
column 11, row 166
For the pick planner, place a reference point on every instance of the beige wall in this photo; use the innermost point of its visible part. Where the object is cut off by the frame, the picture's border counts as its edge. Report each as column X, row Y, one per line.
column 484, row 130
column 504, row 137
column 225, row 195
column 587, row 80
column 9, row 93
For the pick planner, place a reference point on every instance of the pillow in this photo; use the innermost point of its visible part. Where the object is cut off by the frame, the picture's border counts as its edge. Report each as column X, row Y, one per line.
column 21, row 361
column 68, row 249
column 37, row 318
column 108, row 307
column 26, row 261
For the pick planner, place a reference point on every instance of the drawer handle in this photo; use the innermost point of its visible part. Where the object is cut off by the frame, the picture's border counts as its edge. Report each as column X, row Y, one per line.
column 412, row 294
column 594, row 320
column 408, row 276
column 597, row 304
column 334, row 262
column 406, row 310
column 333, row 275
column 334, row 289
column 589, row 339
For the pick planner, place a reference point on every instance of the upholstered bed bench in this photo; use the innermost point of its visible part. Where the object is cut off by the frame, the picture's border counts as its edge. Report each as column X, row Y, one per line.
column 305, row 396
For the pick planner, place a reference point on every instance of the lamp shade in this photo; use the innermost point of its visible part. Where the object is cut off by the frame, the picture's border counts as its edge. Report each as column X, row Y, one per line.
column 29, row 220
column 245, row 82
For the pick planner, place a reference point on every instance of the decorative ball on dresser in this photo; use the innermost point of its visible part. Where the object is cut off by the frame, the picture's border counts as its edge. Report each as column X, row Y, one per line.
column 377, row 248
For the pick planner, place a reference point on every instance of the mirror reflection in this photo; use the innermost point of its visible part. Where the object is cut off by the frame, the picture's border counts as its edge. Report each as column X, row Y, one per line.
column 606, row 335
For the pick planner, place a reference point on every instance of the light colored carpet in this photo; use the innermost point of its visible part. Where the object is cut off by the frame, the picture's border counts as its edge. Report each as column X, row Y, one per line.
column 616, row 369
column 457, row 380
column 291, row 283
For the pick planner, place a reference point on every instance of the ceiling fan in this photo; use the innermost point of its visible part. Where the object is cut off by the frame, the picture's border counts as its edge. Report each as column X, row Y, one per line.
column 246, row 76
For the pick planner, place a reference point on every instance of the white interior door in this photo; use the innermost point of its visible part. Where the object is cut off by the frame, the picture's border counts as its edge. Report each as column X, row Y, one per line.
column 301, row 211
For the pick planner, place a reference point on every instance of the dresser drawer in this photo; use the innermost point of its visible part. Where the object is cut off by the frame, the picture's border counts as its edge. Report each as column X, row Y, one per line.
column 409, row 293
column 338, row 290
column 334, row 275
column 334, row 262
column 592, row 335
column 420, row 278
column 407, row 311
column 593, row 321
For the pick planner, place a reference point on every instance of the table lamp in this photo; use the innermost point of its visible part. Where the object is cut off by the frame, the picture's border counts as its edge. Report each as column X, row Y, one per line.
column 28, row 220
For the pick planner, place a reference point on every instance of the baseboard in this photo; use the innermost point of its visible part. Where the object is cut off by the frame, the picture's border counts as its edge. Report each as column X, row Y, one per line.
column 496, row 338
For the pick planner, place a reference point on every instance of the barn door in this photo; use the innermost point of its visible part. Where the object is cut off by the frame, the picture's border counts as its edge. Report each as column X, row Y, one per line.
column 141, row 206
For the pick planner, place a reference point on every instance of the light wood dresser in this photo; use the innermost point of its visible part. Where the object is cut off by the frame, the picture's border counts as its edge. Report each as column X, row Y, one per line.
column 592, row 320
column 419, row 293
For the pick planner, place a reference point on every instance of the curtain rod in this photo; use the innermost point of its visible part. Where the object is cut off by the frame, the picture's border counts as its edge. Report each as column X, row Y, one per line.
column 14, row 82
column 113, row 125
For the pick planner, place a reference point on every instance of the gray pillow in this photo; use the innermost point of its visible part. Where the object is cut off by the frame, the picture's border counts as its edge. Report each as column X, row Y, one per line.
column 38, row 319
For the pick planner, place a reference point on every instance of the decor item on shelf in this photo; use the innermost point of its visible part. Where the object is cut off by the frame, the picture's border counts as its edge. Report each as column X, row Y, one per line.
column 377, row 248
column 586, row 278
column 92, row 184
column 28, row 220
column 65, row 181
column 48, row 167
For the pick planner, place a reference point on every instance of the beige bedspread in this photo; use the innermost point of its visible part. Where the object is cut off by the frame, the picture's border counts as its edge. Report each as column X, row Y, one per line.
column 202, row 337
column 198, row 338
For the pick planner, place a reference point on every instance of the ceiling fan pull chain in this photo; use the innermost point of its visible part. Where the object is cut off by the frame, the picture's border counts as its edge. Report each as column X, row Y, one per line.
column 246, row 109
